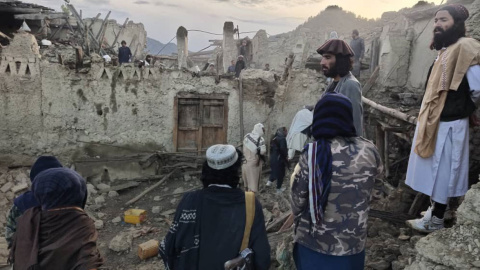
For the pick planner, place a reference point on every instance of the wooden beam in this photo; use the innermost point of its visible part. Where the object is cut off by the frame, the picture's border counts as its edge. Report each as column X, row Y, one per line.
column 104, row 24
column 119, row 32
column 240, row 101
column 37, row 16
column 371, row 81
column 391, row 112
column 139, row 196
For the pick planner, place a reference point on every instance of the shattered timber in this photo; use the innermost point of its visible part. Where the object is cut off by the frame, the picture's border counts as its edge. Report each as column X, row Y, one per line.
column 138, row 133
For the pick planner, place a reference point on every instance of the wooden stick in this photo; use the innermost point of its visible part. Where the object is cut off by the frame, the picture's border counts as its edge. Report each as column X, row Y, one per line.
column 119, row 32
column 371, row 81
column 179, row 193
column 288, row 223
column 104, row 25
column 278, row 222
column 139, row 196
column 240, row 102
column 392, row 112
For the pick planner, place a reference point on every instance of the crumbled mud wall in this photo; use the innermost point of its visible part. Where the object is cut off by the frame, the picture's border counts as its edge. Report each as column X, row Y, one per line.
column 55, row 109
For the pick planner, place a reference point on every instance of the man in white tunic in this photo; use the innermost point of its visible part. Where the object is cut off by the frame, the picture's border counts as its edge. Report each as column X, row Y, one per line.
column 438, row 165
column 254, row 150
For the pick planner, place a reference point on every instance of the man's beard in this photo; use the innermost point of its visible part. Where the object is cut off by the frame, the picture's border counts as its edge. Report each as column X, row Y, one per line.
column 445, row 38
column 331, row 72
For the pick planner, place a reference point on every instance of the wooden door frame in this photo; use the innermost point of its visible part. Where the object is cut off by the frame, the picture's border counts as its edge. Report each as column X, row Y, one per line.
column 201, row 97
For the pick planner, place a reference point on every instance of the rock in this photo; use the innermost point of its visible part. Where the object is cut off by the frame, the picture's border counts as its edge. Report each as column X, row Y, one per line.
column 404, row 237
column 379, row 265
column 157, row 198
column 6, row 187
column 165, row 189
column 19, row 187
column 102, row 186
column 100, row 200
column 173, row 201
column 112, row 194
column 121, row 242
column 4, row 202
column 117, row 220
column 168, row 212
column 91, row 189
column 98, row 224
column 22, row 178
column 156, row 209
column 178, row 190
column 100, row 215
column 398, row 265
column 476, row 263
column 10, row 196
column 187, row 177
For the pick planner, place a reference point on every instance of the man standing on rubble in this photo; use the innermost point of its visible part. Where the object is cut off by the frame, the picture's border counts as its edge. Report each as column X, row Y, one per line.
column 439, row 159
column 254, row 150
column 336, row 64
column 209, row 227
column 124, row 53
column 358, row 47
column 331, row 189
column 239, row 66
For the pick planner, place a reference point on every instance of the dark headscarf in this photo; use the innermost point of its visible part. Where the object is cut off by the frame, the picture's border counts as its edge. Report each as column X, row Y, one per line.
column 332, row 117
column 59, row 187
column 27, row 200
column 337, row 47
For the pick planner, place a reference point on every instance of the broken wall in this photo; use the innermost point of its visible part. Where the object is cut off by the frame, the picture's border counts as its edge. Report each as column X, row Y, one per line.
column 133, row 33
column 56, row 109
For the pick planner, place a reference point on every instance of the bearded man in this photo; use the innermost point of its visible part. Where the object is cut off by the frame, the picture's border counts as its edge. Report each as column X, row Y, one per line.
column 438, row 165
column 336, row 64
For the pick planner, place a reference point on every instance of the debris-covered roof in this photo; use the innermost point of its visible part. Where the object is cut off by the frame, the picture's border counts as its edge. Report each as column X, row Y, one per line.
column 21, row 7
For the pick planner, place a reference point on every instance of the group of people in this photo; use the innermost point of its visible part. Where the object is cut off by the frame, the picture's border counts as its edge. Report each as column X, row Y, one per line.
column 332, row 183
column 330, row 186
column 47, row 227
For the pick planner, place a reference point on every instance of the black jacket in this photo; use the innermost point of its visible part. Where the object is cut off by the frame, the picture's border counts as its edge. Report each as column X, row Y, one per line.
column 217, row 215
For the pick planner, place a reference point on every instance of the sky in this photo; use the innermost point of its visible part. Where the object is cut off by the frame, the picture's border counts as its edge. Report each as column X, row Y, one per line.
column 161, row 18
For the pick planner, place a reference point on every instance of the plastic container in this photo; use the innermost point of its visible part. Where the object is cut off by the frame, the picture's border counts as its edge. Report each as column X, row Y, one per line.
column 148, row 249
column 135, row 216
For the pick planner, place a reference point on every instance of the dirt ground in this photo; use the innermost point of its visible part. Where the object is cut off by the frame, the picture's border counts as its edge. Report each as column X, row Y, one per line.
column 156, row 225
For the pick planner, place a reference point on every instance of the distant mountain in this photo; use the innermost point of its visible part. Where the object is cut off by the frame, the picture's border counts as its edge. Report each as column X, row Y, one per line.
column 154, row 46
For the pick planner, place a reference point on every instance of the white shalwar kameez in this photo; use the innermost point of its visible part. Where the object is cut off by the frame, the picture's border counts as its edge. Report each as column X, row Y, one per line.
column 445, row 173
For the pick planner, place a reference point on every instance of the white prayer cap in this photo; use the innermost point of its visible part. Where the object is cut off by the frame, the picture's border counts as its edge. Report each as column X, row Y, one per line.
column 221, row 156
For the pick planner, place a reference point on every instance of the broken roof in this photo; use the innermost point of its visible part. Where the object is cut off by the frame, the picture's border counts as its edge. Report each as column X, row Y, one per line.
column 20, row 7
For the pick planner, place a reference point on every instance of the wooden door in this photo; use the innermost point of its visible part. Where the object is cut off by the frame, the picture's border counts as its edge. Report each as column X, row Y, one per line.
column 201, row 121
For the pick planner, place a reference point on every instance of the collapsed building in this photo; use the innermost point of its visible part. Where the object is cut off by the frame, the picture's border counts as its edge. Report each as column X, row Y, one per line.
column 66, row 100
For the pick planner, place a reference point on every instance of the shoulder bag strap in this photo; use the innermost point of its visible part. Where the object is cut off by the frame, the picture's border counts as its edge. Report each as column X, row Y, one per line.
column 250, row 215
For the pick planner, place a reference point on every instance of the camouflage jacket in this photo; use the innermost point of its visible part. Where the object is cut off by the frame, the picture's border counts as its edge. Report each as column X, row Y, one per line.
column 11, row 225
column 356, row 163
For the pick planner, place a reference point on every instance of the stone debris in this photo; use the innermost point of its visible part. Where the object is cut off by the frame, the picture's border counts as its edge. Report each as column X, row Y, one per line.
column 157, row 198
column 168, row 212
column 178, row 190
column 20, row 187
column 112, row 194
column 121, row 242
column 6, row 187
column 91, row 189
column 100, row 200
column 98, row 224
column 156, row 209
column 102, row 186
column 117, row 220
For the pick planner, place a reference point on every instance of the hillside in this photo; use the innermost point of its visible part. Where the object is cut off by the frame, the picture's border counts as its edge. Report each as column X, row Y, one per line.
column 154, row 46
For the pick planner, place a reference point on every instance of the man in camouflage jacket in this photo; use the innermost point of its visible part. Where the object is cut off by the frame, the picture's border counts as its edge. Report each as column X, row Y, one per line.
column 342, row 232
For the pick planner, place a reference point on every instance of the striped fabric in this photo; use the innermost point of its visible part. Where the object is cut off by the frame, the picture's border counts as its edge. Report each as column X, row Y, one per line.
column 332, row 118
